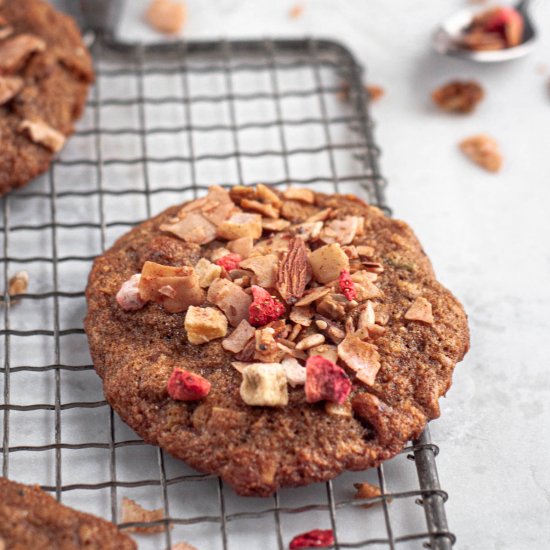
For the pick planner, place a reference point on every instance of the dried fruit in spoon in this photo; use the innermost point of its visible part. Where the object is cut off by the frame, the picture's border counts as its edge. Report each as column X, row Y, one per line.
column 494, row 29
column 458, row 96
column 483, row 150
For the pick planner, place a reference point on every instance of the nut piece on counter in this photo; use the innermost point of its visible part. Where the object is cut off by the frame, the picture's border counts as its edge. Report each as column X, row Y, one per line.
column 166, row 16
column 18, row 283
column 458, row 96
column 264, row 384
column 483, row 150
column 204, row 324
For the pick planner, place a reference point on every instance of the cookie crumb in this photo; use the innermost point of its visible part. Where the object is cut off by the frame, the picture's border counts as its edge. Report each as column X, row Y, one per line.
column 18, row 284
column 484, row 151
column 296, row 11
column 166, row 16
column 43, row 134
column 133, row 512
column 366, row 490
column 375, row 92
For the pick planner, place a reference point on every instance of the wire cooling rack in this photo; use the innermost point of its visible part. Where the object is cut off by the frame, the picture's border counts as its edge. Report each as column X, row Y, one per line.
column 163, row 123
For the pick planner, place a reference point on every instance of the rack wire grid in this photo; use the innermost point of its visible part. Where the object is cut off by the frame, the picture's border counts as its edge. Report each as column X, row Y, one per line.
column 162, row 124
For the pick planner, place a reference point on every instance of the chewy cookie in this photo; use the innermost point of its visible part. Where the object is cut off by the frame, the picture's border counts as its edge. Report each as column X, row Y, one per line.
column 273, row 338
column 45, row 72
column 32, row 520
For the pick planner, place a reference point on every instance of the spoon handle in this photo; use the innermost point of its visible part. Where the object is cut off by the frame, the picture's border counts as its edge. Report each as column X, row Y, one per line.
column 523, row 5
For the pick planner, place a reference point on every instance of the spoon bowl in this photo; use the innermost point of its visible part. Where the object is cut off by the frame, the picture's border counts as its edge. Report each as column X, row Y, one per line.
column 446, row 39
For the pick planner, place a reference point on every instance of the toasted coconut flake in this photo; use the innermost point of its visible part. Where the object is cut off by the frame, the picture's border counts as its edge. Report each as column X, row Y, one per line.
column 302, row 315
column 275, row 224
column 266, row 194
column 242, row 247
column 324, row 350
column 341, row 231
column 320, row 216
column 193, row 228
column 366, row 490
column 207, row 272
column 238, row 339
column 308, row 231
column 294, row 372
column 366, row 316
column 132, row 512
column 10, row 86
column 241, row 224
column 231, row 299
column 313, row 295
column 300, row 194
column 366, row 289
column 183, row 280
column 367, row 251
column 264, row 269
column 420, row 310
column 310, row 341
column 328, row 262
column 360, row 357
column 267, row 210
column 218, row 205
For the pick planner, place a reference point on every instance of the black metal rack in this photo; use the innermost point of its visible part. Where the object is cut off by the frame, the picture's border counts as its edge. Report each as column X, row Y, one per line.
column 116, row 171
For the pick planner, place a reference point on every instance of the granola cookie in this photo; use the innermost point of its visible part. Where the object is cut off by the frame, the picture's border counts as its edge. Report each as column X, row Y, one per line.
column 45, row 72
column 32, row 520
column 273, row 338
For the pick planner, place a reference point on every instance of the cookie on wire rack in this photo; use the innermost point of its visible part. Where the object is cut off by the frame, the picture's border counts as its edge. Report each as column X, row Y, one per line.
column 45, row 73
column 32, row 519
column 273, row 338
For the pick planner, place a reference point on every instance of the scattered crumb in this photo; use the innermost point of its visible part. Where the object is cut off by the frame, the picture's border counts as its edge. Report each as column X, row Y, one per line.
column 375, row 92
column 133, row 512
column 166, row 16
column 483, row 150
column 183, row 546
column 366, row 490
column 458, row 96
column 296, row 11
column 18, row 284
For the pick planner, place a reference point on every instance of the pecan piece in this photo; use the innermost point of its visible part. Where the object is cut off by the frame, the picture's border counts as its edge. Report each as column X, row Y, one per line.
column 294, row 272
column 483, row 150
column 458, row 96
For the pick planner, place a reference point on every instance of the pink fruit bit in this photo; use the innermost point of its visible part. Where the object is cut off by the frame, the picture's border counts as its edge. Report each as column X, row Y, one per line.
column 264, row 307
column 187, row 386
column 128, row 296
column 325, row 381
column 229, row 261
column 317, row 538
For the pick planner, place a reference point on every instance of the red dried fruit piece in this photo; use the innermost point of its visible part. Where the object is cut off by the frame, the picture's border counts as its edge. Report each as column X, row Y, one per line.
column 317, row 538
column 347, row 286
column 229, row 261
column 264, row 308
column 506, row 21
column 187, row 386
column 325, row 381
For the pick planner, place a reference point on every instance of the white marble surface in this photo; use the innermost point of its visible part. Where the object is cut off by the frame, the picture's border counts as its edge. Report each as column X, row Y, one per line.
column 487, row 235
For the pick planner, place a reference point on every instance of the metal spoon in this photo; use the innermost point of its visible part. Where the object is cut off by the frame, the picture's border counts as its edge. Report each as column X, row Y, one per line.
column 447, row 37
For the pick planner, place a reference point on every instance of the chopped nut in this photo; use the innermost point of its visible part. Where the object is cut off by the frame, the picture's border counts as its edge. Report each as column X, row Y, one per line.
column 364, row 250
column 458, row 96
column 267, row 210
column 325, row 381
column 15, row 51
column 297, row 211
column 360, row 357
column 300, row 194
column 341, row 231
column 275, row 225
column 294, row 272
column 132, row 512
column 310, row 341
column 296, row 329
column 242, row 247
column 264, row 384
column 264, row 269
column 193, row 228
column 128, row 297
column 10, row 86
column 267, row 195
column 266, row 349
column 313, row 295
column 183, row 281
column 334, row 306
column 187, row 386
column 302, row 315
column 420, row 310
column 231, row 299
column 166, row 16
column 327, row 262
column 333, row 332
column 324, row 350
column 241, row 224
column 366, row 490
column 18, row 284
column 483, row 150
column 366, row 289
column 41, row 133
column 294, row 372
column 204, row 324
column 238, row 339
column 207, row 272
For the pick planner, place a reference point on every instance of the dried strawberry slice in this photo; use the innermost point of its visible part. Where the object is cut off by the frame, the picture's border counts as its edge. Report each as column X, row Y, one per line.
column 317, row 538
column 229, row 261
column 264, row 308
column 347, row 286
column 187, row 386
column 325, row 381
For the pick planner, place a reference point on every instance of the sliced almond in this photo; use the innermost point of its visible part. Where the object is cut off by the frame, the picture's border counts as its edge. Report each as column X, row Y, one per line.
column 300, row 194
